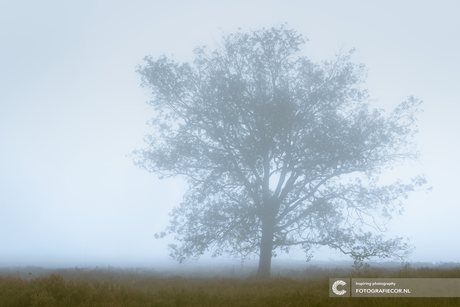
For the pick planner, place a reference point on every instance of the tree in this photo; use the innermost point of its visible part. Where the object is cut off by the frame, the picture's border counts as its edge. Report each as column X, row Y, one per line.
column 278, row 151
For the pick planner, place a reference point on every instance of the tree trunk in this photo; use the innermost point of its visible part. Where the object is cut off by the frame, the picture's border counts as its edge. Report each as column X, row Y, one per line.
column 266, row 246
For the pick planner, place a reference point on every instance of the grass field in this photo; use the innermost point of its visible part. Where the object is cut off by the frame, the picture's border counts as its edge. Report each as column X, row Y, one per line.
column 32, row 286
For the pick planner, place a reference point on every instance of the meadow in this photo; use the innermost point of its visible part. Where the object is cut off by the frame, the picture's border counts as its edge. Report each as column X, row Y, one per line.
column 308, row 286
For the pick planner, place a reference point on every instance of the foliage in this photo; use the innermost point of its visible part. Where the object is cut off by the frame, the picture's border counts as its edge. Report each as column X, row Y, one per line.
column 278, row 151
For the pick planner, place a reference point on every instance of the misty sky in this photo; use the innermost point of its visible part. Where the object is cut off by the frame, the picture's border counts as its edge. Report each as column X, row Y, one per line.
column 71, row 110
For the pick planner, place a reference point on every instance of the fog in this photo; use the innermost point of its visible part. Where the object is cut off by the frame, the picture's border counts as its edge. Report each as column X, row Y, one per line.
column 71, row 110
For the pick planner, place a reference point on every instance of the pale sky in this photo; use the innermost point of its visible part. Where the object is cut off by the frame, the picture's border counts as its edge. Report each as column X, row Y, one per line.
column 71, row 109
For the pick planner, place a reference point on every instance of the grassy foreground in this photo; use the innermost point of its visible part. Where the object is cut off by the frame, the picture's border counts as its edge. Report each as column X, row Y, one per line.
column 112, row 287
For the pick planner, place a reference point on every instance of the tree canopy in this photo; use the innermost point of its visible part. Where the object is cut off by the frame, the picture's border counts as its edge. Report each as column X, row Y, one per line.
column 278, row 151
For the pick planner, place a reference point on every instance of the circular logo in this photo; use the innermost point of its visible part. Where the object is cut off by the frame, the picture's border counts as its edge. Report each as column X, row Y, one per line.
column 334, row 287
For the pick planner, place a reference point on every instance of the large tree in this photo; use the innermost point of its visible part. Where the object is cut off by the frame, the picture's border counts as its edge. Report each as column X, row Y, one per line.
column 278, row 151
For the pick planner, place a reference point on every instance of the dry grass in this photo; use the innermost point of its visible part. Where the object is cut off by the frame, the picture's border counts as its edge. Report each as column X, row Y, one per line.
column 116, row 287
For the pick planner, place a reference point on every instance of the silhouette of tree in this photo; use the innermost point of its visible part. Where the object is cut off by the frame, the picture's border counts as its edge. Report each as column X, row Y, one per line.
column 278, row 151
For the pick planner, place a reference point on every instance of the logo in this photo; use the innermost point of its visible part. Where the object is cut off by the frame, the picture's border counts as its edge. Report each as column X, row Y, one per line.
column 337, row 283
